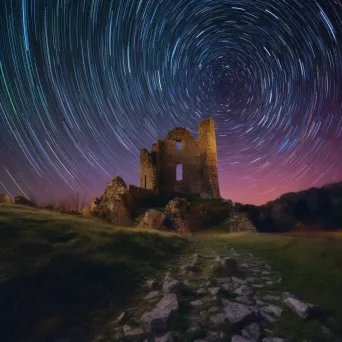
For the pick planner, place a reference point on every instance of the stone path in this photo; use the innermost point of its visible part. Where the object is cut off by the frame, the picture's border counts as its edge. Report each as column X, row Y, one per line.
column 208, row 297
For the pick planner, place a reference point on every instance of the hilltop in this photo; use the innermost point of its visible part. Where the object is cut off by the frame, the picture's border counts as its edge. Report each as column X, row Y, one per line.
column 314, row 209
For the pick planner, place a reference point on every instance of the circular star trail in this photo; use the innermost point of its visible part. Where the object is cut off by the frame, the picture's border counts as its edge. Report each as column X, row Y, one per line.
column 84, row 84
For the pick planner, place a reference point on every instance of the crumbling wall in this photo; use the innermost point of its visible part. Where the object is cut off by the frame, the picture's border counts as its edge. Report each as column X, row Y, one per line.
column 188, row 159
column 147, row 170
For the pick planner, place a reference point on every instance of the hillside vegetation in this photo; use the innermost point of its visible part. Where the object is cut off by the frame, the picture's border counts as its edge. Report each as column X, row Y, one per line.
column 56, row 267
column 313, row 209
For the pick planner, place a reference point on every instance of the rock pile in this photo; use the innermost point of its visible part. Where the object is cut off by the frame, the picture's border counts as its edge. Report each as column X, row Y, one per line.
column 238, row 222
column 238, row 303
column 6, row 199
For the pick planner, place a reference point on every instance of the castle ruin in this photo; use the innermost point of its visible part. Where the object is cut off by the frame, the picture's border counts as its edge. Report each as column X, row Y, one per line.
column 182, row 164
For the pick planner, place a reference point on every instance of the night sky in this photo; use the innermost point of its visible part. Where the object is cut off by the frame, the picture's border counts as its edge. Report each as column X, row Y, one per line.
column 84, row 84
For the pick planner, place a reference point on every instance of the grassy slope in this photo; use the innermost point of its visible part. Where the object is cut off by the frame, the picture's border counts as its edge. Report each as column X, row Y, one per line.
column 310, row 267
column 60, row 266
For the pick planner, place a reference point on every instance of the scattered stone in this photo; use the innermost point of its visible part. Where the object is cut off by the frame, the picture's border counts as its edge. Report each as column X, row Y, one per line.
column 133, row 332
column 122, row 317
column 209, row 283
column 274, row 309
column 223, row 280
column 244, row 265
column 215, row 291
column 227, row 287
column 267, row 317
column 271, row 298
column 236, row 312
column 196, row 303
column 151, row 284
column 157, row 320
column 201, row 291
column 213, row 309
column 152, row 295
column 274, row 339
column 269, row 282
column 218, row 319
column 244, row 300
column 244, row 290
column 268, row 267
column 171, row 285
column 168, row 337
column 252, row 332
column 302, row 309
column 265, row 273
column 253, row 280
column 188, row 268
column 239, row 280
column 238, row 338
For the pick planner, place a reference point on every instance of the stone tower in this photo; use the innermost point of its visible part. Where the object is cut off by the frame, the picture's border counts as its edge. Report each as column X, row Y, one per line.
column 182, row 164
column 207, row 145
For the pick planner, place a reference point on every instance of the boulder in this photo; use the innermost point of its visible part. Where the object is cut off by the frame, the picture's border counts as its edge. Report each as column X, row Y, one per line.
column 238, row 313
column 252, row 332
column 302, row 309
column 6, row 199
column 94, row 206
column 114, row 205
column 158, row 319
column 244, row 290
column 20, row 200
column 133, row 332
column 168, row 337
column 86, row 212
column 153, row 219
column 177, row 215
column 171, row 285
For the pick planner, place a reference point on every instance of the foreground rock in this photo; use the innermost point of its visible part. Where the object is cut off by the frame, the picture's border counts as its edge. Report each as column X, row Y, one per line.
column 153, row 219
column 158, row 319
column 302, row 309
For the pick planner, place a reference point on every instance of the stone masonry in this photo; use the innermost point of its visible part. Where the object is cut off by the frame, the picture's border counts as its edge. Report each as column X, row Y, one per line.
column 195, row 160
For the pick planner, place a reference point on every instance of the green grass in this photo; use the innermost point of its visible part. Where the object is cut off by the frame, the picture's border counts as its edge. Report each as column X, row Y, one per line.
column 56, row 267
column 310, row 267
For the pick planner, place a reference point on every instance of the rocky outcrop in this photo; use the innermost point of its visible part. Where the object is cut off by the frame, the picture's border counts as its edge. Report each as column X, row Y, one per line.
column 6, row 199
column 178, row 215
column 238, row 223
column 153, row 219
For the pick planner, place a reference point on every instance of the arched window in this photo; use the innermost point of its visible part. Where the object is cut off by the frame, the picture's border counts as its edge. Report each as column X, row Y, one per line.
column 145, row 182
column 178, row 145
column 179, row 172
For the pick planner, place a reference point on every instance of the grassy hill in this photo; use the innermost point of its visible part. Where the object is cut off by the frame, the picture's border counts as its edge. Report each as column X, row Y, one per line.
column 314, row 209
column 56, row 267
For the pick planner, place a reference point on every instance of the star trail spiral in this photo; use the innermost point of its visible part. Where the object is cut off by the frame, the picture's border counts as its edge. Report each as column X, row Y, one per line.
column 84, row 84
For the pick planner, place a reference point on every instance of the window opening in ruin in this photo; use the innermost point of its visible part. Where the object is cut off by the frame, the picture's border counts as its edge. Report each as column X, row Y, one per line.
column 179, row 172
column 145, row 182
column 178, row 145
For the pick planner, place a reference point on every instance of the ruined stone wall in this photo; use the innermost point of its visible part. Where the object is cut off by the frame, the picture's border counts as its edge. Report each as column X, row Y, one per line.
column 198, row 160
column 147, row 170
column 188, row 156
column 209, row 173
column 138, row 195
